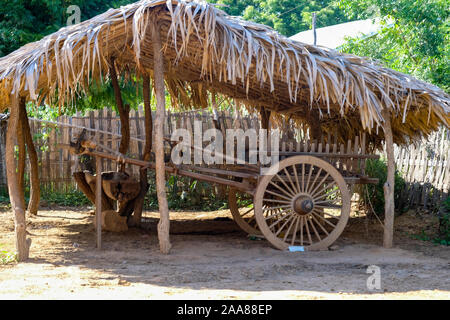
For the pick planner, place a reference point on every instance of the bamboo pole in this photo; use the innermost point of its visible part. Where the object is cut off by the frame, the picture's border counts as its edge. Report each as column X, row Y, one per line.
column 17, row 202
column 164, row 222
column 388, row 187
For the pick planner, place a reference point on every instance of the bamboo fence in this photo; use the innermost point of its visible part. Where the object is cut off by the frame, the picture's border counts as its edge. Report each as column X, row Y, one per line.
column 425, row 166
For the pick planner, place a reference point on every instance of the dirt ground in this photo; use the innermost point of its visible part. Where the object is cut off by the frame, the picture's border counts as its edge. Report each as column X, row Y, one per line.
column 212, row 259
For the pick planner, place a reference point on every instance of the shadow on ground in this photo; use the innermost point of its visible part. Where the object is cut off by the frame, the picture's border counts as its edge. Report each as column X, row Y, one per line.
column 211, row 253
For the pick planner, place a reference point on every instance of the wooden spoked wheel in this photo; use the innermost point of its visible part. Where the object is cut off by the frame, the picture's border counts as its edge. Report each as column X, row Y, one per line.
column 244, row 216
column 302, row 201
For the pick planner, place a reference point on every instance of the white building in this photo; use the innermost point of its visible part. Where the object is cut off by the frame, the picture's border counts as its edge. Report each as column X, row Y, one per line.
column 334, row 36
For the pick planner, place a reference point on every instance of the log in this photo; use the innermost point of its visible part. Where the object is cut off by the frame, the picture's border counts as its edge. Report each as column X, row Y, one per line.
column 87, row 184
column 81, row 182
column 17, row 203
column 120, row 186
column 164, row 222
column 35, row 190
column 112, row 221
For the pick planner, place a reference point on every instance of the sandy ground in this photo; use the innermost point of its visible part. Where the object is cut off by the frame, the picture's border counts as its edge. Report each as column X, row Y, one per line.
column 212, row 259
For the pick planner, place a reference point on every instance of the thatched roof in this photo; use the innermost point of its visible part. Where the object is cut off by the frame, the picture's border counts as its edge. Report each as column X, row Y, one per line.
column 209, row 51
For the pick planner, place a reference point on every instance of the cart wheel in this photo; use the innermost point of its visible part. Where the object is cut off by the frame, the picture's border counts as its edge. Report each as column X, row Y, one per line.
column 244, row 217
column 302, row 201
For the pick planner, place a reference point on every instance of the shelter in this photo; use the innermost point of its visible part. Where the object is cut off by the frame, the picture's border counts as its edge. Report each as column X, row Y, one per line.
column 192, row 48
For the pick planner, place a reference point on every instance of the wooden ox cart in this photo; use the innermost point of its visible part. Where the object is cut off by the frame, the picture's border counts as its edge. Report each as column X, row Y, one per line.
column 300, row 203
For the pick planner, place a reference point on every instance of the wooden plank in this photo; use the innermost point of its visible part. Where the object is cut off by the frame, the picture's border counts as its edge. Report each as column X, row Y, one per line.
column 98, row 202
column 349, row 160
column 139, row 132
column 341, row 159
column 70, row 159
column 334, row 151
column 363, row 151
column 109, row 143
column 101, row 136
column 354, row 167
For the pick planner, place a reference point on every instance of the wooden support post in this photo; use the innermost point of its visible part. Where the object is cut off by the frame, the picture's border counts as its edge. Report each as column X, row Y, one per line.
column 98, row 200
column 35, row 189
column 389, row 206
column 16, row 199
column 164, row 222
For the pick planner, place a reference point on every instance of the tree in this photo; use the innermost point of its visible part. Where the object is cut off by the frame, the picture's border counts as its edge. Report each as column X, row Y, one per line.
column 24, row 21
column 286, row 16
column 416, row 42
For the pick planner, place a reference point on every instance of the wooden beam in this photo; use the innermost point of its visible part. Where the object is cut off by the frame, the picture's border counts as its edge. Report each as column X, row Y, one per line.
column 389, row 206
column 17, row 202
column 164, row 222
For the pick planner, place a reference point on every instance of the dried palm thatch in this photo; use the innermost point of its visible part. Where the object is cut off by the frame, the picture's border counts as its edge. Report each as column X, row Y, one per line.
column 208, row 51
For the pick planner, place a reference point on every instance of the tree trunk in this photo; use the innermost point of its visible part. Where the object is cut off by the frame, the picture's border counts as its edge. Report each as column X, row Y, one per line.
column 16, row 199
column 35, row 190
column 164, row 222
column 124, row 113
column 139, row 201
column 89, row 189
column 389, row 206
column 22, row 151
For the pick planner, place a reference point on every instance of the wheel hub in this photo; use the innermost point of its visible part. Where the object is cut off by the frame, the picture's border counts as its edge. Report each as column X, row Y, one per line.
column 303, row 205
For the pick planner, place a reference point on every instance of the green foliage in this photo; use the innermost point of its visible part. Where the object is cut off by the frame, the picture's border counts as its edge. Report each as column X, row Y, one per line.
column 377, row 168
column 4, row 196
column 444, row 224
column 185, row 193
column 7, row 257
column 286, row 16
column 23, row 21
column 415, row 43
column 101, row 95
column 70, row 198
